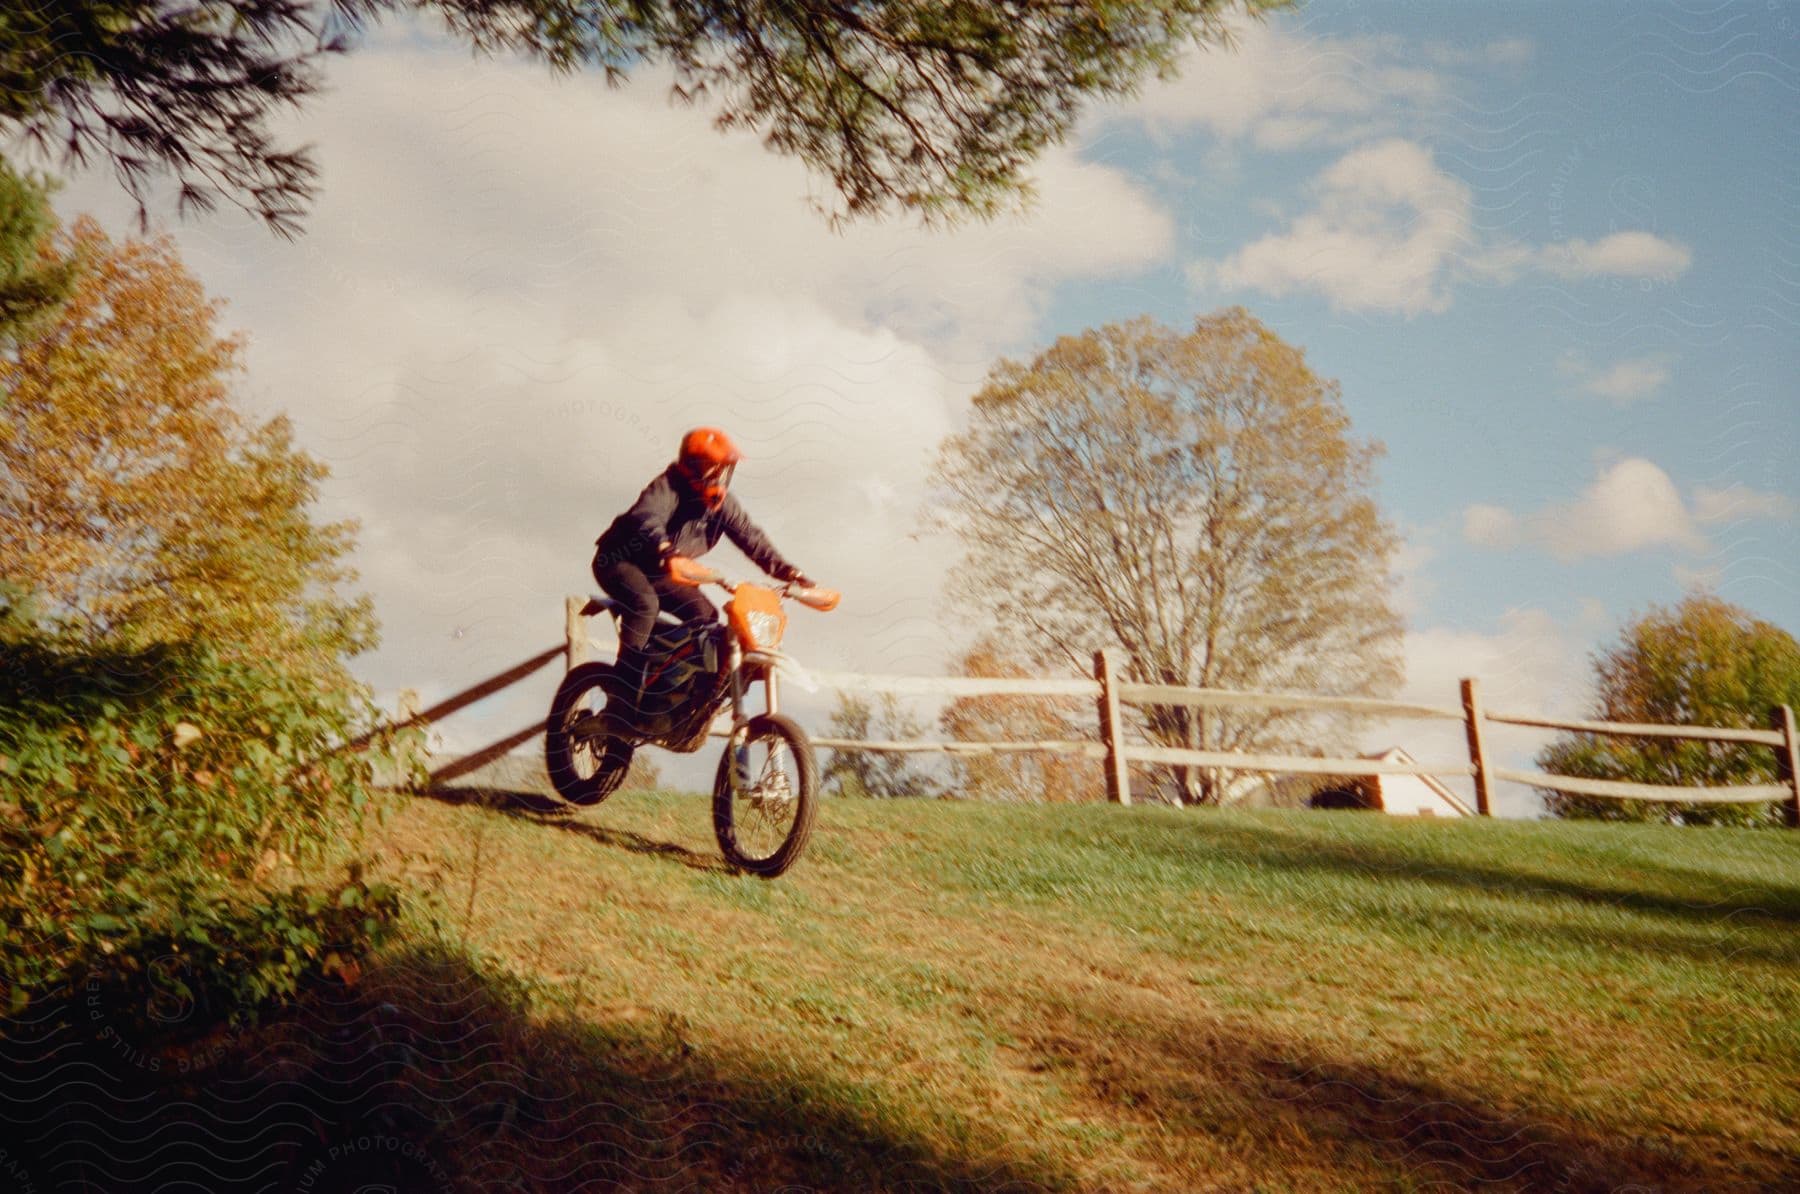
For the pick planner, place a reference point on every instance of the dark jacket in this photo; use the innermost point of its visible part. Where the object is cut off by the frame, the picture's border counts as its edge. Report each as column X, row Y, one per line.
column 669, row 511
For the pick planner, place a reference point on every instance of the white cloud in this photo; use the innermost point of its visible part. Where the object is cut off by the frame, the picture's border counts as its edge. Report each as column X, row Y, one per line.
column 1385, row 224
column 1623, row 382
column 1706, row 578
column 1627, row 381
column 1390, row 231
column 1413, row 585
column 1374, row 241
column 1629, row 254
column 1737, row 503
column 1529, row 662
column 1291, row 132
column 1490, row 526
column 1282, row 89
column 1631, row 505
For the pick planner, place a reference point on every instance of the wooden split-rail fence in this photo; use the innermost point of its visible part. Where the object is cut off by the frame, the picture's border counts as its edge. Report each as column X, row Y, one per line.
column 1112, row 693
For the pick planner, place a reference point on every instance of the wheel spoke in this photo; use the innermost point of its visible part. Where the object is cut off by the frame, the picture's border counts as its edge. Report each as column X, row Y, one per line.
column 584, row 755
column 763, row 812
column 585, row 767
column 763, row 797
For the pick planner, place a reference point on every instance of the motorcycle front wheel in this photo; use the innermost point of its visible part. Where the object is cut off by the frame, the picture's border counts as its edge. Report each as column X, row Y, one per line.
column 584, row 768
column 765, row 795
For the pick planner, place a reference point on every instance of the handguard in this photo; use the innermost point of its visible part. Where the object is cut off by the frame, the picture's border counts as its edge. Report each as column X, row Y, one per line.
column 814, row 598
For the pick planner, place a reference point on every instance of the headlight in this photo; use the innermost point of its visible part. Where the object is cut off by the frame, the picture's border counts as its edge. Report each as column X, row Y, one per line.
column 765, row 628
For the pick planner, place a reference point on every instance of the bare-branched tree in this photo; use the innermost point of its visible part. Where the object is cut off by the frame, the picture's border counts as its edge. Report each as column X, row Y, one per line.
column 1194, row 498
column 881, row 775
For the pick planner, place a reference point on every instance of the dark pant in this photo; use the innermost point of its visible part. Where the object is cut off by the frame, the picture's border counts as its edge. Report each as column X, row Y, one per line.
column 643, row 595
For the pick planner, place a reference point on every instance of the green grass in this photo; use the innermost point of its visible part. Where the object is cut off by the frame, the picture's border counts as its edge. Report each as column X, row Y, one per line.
column 1086, row 997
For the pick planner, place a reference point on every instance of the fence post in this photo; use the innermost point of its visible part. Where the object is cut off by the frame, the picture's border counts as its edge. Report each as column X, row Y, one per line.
column 1787, row 760
column 1471, row 702
column 1112, row 730
column 575, row 631
column 409, row 743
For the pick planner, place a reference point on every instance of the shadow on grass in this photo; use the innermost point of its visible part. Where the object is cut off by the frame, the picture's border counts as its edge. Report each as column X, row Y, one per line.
column 506, row 800
column 1347, row 1122
column 429, row 1075
column 1270, row 845
column 555, row 814
column 637, row 843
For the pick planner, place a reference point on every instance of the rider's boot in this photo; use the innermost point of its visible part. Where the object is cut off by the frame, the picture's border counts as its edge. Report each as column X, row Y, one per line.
column 627, row 676
column 631, row 673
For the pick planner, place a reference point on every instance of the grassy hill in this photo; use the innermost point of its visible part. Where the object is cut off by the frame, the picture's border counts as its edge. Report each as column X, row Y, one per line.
column 950, row 996
column 1105, row 998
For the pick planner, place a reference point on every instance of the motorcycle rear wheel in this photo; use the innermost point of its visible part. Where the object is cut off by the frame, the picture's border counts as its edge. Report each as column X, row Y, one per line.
column 763, row 813
column 584, row 768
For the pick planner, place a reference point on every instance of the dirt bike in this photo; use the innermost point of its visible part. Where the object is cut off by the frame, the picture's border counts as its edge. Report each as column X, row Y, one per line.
column 765, row 791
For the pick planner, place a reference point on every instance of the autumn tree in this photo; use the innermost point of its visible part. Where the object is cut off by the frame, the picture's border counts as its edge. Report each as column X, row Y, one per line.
column 1705, row 662
column 1051, row 778
column 135, row 502
column 173, row 694
column 880, row 775
column 1196, row 499
column 931, row 106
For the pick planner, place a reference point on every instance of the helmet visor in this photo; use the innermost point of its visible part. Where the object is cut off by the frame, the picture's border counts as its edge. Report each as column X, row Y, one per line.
column 713, row 480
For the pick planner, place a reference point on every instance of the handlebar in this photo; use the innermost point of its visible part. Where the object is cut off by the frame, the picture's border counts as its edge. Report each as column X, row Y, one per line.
column 684, row 570
column 688, row 571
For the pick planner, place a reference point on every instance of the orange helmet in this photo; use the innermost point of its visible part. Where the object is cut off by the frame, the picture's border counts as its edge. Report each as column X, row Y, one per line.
column 707, row 460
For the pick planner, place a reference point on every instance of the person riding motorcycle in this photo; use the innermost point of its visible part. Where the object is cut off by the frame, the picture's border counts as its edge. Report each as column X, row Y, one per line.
column 684, row 511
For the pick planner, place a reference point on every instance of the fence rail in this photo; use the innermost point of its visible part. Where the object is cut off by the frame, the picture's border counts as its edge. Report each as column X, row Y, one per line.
column 1111, row 693
column 1666, row 793
column 954, row 686
column 1286, row 764
column 1629, row 729
column 1169, row 694
column 1090, row 750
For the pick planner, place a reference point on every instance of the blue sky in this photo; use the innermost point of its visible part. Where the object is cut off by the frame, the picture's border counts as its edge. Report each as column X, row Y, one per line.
column 1549, row 251
column 1572, row 123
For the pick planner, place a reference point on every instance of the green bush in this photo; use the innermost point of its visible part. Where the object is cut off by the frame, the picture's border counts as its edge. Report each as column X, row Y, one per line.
column 160, row 810
column 1704, row 662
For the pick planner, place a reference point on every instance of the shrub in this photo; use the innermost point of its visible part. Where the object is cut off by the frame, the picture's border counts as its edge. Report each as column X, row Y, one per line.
column 1704, row 662
column 168, row 803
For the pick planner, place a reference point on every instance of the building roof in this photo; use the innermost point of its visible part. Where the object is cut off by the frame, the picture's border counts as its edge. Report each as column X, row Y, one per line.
column 1396, row 754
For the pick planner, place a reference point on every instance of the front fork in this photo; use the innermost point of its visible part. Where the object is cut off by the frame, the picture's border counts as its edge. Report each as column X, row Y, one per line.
column 740, row 751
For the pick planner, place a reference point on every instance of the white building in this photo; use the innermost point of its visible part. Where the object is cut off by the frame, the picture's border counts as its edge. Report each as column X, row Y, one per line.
column 1401, row 795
